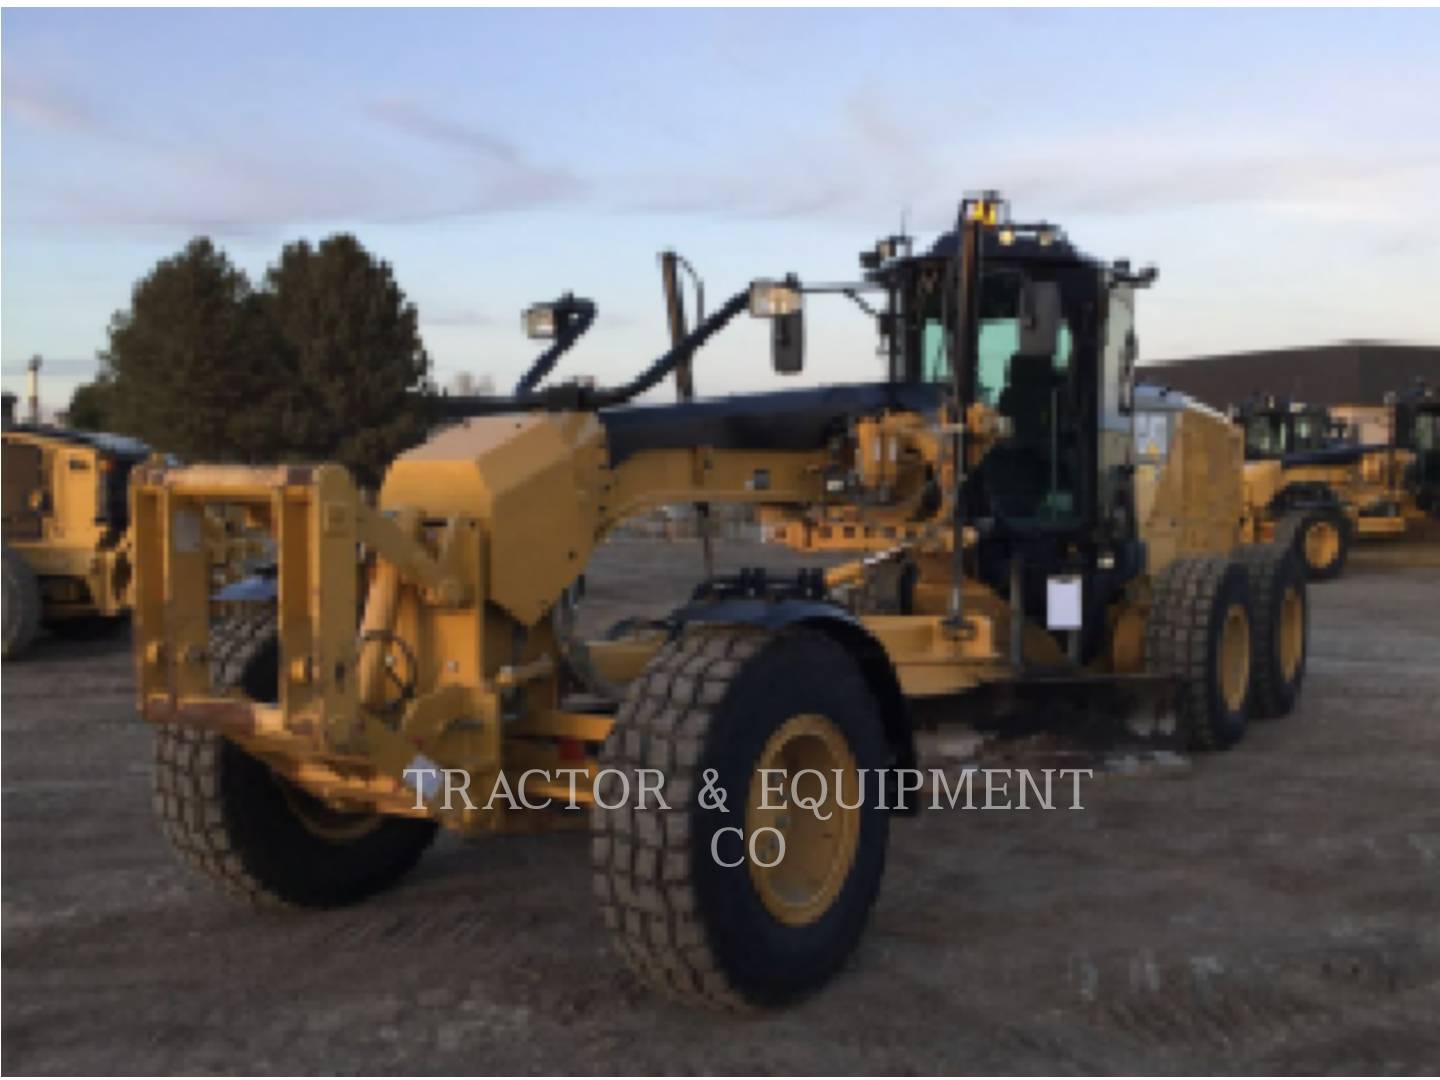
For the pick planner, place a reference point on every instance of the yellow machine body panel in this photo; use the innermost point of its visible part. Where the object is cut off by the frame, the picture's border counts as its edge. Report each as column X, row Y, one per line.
column 55, row 519
column 1189, row 493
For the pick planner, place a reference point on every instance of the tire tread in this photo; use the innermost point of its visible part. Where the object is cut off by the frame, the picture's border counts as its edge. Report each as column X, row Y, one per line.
column 640, row 860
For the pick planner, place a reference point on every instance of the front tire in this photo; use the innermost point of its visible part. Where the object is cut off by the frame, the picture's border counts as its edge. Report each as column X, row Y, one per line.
column 252, row 832
column 734, row 700
column 263, row 840
column 19, row 604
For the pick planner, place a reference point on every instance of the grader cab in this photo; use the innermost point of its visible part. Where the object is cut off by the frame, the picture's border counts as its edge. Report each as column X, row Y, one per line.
column 416, row 664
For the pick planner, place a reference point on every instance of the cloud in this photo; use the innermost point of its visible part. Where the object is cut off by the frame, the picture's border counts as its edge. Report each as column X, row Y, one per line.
column 48, row 107
column 878, row 161
column 1139, row 174
column 161, row 176
column 770, row 196
column 505, row 178
column 875, row 126
column 874, row 160
column 410, row 118
column 869, row 160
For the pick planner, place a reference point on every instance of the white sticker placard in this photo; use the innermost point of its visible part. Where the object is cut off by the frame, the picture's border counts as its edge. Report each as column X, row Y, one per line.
column 1062, row 603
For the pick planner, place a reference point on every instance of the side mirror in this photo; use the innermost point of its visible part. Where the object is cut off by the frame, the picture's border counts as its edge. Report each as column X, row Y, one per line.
column 787, row 343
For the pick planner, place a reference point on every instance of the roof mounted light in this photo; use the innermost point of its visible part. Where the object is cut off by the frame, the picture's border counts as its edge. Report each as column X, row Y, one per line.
column 773, row 299
column 986, row 208
column 540, row 321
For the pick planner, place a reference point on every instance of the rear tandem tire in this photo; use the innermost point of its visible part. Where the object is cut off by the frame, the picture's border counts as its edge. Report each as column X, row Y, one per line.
column 19, row 604
column 1199, row 633
column 1281, row 633
column 733, row 700
column 253, row 833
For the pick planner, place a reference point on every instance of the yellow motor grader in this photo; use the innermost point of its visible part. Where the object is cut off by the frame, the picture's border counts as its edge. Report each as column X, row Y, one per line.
column 68, row 550
column 67, row 560
column 1310, row 484
column 417, row 666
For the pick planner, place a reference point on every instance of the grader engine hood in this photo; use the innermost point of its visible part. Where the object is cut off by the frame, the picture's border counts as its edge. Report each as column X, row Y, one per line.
column 537, row 479
column 1189, row 491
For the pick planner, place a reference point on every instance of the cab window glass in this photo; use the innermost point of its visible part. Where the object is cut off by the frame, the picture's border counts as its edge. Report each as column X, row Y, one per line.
column 935, row 364
column 1307, row 432
column 1265, row 436
column 1427, row 432
column 998, row 340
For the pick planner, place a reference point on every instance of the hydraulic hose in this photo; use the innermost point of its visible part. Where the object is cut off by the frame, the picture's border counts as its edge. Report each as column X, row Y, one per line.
column 656, row 372
column 577, row 398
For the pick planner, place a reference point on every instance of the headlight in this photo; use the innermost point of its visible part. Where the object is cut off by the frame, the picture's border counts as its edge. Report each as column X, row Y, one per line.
column 539, row 321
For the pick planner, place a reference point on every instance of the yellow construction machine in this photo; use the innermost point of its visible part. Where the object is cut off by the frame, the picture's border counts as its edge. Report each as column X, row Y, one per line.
column 1414, row 466
column 415, row 664
column 1311, row 484
column 68, row 550
column 67, row 559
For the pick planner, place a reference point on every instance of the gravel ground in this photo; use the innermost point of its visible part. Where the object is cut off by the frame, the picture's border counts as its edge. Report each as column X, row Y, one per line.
column 1272, row 909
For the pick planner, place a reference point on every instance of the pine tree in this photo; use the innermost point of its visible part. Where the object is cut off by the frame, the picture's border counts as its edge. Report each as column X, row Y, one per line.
column 359, row 373
column 194, row 363
column 91, row 407
column 324, row 364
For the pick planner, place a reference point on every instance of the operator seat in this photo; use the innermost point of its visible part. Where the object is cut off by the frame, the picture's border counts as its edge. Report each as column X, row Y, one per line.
column 1015, row 474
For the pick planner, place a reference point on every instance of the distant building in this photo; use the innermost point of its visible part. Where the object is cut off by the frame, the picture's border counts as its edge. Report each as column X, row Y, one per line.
column 1346, row 373
column 1350, row 377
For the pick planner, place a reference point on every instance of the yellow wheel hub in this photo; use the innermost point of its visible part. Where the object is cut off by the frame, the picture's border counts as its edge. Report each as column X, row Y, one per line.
column 1292, row 633
column 1234, row 657
column 819, row 844
column 324, row 821
column 1322, row 544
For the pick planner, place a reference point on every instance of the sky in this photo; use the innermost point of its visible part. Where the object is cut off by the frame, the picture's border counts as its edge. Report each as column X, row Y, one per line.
column 1281, row 168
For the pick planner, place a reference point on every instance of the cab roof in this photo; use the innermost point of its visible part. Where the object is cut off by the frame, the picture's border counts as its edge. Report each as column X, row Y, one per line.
column 120, row 446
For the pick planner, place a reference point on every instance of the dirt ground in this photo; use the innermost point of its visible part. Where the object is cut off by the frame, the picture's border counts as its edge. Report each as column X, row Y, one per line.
column 1272, row 909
